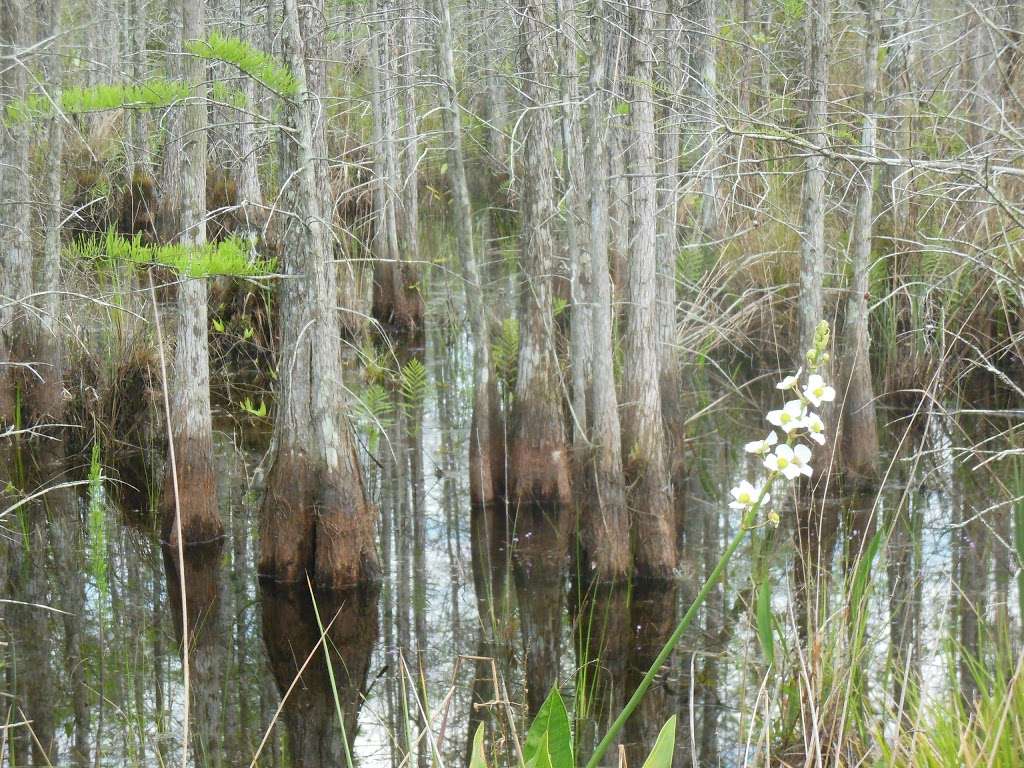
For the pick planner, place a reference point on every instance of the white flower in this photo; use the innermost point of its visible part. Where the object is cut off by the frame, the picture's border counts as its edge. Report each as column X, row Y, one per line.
column 745, row 496
column 790, row 382
column 801, row 457
column 789, row 418
column 817, row 391
column 815, row 428
column 783, row 460
column 762, row 447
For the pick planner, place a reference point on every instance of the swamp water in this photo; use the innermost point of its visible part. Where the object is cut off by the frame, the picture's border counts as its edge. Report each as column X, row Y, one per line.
column 477, row 616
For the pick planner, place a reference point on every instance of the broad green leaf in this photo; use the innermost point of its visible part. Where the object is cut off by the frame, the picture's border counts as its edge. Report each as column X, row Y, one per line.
column 764, row 621
column 478, row 759
column 543, row 757
column 661, row 753
column 549, row 740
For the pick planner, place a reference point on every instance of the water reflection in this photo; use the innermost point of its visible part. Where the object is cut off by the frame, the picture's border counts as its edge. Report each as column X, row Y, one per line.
column 200, row 571
column 539, row 557
column 323, row 683
column 482, row 604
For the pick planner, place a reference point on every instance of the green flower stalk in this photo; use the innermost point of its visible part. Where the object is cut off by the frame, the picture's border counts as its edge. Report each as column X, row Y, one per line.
column 790, row 460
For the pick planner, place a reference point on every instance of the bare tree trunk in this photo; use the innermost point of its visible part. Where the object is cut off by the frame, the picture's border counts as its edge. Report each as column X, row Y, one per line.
column 496, row 112
column 707, row 69
column 170, row 177
column 643, row 429
column 604, row 521
column 44, row 393
column 577, row 253
column 858, row 429
column 813, row 261
column 250, row 190
column 137, row 120
column 409, row 237
column 669, row 362
column 486, row 446
column 194, row 495
column 538, row 464
column 15, row 221
column 397, row 302
column 316, row 518
column 817, row 520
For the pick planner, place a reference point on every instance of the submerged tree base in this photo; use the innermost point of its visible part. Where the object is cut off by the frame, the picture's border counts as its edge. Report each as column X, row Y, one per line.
column 194, row 496
column 317, row 522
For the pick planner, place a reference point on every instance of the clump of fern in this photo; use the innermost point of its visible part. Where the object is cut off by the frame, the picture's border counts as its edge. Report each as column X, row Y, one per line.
column 252, row 61
column 152, row 94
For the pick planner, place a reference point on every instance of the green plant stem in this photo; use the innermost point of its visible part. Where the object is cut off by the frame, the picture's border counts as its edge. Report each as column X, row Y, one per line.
column 677, row 634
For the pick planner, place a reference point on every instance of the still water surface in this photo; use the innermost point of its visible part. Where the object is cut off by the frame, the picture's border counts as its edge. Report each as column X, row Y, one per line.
column 477, row 617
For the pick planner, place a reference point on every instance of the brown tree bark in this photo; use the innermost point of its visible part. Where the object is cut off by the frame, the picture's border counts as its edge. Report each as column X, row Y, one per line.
column 192, row 495
column 643, row 429
column 315, row 518
column 858, row 426
column 538, row 461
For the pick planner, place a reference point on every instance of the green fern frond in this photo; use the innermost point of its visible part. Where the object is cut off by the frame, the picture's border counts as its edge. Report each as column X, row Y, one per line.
column 505, row 353
column 413, row 383
column 376, row 408
column 252, row 61
column 375, row 362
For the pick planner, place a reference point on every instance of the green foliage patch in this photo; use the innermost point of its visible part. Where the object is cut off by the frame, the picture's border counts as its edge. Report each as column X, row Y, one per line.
column 255, row 63
column 152, row 94
column 229, row 257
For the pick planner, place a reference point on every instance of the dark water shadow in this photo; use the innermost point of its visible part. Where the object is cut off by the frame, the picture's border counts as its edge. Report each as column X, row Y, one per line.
column 291, row 634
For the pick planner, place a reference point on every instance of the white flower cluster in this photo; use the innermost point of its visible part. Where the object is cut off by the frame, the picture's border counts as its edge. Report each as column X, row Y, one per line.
column 791, row 458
